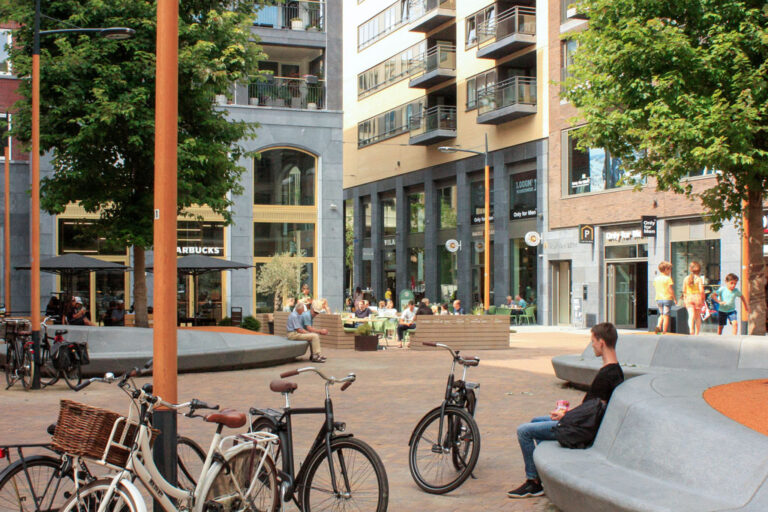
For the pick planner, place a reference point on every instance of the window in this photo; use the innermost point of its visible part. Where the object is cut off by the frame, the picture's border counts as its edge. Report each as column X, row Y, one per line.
column 477, row 198
column 707, row 254
column 448, row 279
column 388, row 124
column 481, row 84
column 382, row 24
column 471, row 93
column 389, row 216
column 523, row 266
column 704, row 172
column 416, row 271
column 391, row 71
column 474, row 21
column 568, row 49
column 593, row 169
column 79, row 236
column 448, row 207
column 196, row 237
column 367, row 219
column 5, row 54
column 522, row 195
column 270, row 238
column 416, row 212
column 5, row 126
column 284, row 177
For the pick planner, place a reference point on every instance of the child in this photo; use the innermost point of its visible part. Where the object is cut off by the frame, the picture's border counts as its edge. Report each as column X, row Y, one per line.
column 726, row 297
column 665, row 295
column 693, row 295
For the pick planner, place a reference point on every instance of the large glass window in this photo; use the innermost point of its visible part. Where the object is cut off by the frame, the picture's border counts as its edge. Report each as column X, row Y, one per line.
column 270, row 238
column 5, row 46
column 593, row 169
column 79, row 236
column 477, row 204
column 194, row 237
column 707, row 254
column 387, row 124
column 416, row 212
column 382, row 24
column 416, row 271
column 448, row 207
column 448, row 273
column 523, row 275
column 522, row 195
column 367, row 219
column 110, row 294
column 284, row 177
column 391, row 70
column 389, row 212
column 478, row 87
column 568, row 48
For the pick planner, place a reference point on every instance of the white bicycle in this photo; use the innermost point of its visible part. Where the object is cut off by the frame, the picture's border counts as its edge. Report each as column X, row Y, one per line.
column 238, row 473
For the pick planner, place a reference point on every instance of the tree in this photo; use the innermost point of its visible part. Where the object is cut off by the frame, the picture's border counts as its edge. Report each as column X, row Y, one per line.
column 98, row 107
column 281, row 276
column 677, row 87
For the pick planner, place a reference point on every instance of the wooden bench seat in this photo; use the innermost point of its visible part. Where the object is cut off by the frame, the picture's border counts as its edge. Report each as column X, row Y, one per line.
column 337, row 336
column 462, row 332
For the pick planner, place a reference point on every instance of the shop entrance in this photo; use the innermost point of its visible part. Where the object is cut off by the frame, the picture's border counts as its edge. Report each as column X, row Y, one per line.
column 627, row 294
column 561, row 292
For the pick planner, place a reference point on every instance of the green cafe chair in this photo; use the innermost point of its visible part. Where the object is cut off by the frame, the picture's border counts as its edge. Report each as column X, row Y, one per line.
column 529, row 316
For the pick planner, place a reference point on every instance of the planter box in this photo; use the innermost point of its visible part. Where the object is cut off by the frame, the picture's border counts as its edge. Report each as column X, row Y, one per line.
column 367, row 343
column 297, row 24
column 253, row 101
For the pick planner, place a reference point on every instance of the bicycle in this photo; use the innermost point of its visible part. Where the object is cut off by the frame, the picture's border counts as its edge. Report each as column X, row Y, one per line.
column 356, row 478
column 19, row 353
column 445, row 445
column 61, row 358
column 241, row 477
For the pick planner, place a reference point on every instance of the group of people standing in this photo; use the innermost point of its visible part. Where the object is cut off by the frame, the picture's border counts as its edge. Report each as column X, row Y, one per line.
column 694, row 298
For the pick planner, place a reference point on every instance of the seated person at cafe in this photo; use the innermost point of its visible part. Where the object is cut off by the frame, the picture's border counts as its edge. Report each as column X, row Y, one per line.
column 520, row 302
column 77, row 314
column 457, row 309
column 362, row 311
column 509, row 303
column 289, row 304
column 300, row 328
column 424, row 308
column 407, row 321
column 117, row 317
column 388, row 310
column 324, row 306
column 445, row 309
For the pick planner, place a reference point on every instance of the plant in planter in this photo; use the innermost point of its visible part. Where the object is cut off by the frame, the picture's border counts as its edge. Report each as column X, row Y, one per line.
column 365, row 340
column 297, row 24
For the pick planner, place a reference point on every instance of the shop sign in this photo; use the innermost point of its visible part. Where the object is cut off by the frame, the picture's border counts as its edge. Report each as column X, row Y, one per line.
column 480, row 219
column 649, row 225
column 586, row 234
column 388, row 242
column 620, row 236
column 524, row 191
column 208, row 251
column 367, row 253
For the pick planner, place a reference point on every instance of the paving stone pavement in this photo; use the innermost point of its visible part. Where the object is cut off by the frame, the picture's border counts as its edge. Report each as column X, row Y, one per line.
column 394, row 389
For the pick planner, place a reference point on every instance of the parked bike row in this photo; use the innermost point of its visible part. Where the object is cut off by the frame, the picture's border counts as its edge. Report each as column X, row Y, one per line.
column 98, row 457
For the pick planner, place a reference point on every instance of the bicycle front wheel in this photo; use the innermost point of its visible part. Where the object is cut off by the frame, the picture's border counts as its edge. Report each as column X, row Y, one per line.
column 49, row 374
column 26, row 370
column 237, row 486
column 35, row 484
column 439, row 464
column 361, row 480
column 190, row 458
column 91, row 495
column 10, row 365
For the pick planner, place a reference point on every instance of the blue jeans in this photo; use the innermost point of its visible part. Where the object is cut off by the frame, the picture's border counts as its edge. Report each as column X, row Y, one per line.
column 528, row 435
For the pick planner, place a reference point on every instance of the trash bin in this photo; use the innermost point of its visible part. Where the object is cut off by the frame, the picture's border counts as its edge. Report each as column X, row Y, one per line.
column 678, row 320
column 653, row 318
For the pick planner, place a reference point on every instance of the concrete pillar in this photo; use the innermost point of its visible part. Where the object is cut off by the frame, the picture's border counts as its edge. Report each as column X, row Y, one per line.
column 401, row 238
column 431, row 221
column 500, row 270
column 240, row 240
column 376, row 244
column 358, row 241
column 463, row 231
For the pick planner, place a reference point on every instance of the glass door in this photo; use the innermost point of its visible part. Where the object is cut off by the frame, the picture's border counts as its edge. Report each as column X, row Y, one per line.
column 622, row 288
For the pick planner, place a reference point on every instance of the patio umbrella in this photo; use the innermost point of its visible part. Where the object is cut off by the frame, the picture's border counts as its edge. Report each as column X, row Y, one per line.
column 196, row 265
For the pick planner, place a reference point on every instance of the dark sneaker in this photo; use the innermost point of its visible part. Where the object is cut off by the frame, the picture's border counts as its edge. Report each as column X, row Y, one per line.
column 529, row 489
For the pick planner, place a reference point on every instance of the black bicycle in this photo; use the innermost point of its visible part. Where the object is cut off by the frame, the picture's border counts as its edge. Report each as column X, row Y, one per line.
column 340, row 472
column 445, row 445
column 61, row 358
column 19, row 353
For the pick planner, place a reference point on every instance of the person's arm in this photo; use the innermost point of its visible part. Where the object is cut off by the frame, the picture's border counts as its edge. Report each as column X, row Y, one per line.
column 744, row 303
column 317, row 331
column 715, row 297
column 671, row 290
column 557, row 414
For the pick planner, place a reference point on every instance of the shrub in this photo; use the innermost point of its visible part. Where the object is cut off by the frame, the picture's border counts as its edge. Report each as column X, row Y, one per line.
column 364, row 329
column 251, row 323
column 225, row 321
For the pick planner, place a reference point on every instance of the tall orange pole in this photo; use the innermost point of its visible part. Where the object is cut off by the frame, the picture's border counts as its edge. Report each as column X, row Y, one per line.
column 487, row 234
column 745, row 260
column 7, row 231
column 34, row 218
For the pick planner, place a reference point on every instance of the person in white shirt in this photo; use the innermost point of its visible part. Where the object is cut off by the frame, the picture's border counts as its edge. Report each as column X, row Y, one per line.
column 407, row 321
column 389, row 310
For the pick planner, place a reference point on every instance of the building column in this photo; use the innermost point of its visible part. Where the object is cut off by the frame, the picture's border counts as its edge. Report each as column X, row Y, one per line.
column 542, row 189
column 431, row 221
column 240, row 242
column 357, row 250
column 376, row 243
column 501, row 268
column 463, row 231
column 401, row 239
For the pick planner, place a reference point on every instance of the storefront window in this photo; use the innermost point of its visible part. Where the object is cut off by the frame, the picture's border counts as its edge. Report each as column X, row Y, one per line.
column 367, row 219
column 593, row 169
column 80, row 236
column 523, row 275
column 448, row 275
column 110, row 294
column 416, row 271
column 390, row 216
column 478, row 258
column 194, row 237
column 448, row 207
column 349, row 243
column 522, row 195
column 285, row 177
column 265, row 303
column 707, row 254
column 477, row 198
column 208, row 296
column 416, row 212
column 270, row 238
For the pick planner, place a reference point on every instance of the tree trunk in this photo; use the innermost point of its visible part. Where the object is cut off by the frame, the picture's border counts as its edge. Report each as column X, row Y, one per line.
column 140, row 287
column 755, row 286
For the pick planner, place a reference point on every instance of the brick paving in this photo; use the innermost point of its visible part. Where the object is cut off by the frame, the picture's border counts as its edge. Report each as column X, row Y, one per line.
column 395, row 388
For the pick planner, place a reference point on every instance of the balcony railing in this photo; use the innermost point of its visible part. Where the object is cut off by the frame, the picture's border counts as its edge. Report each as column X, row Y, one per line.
column 516, row 20
column 518, row 90
column 293, row 15
column 437, row 57
column 438, row 121
column 299, row 93
column 570, row 9
column 418, row 9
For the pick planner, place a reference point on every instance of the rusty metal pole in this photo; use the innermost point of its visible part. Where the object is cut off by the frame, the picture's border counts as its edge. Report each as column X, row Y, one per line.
column 34, row 218
column 7, row 231
column 166, row 136
column 745, row 265
column 487, row 234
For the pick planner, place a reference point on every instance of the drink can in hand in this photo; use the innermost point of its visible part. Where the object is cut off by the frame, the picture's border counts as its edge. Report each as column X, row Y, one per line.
column 563, row 405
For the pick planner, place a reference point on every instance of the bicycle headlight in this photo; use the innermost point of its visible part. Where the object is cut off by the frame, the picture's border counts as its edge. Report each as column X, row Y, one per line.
column 340, row 426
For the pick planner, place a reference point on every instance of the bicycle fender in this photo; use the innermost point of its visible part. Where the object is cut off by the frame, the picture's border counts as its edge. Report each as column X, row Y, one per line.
column 131, row 489
column 26, row 460
column 447, row 408
column 341, row 436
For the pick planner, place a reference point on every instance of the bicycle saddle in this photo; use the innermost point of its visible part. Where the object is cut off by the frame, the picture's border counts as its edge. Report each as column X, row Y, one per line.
column 60, row 332
column 227, row 417
column 470, row 361
column 283, row 386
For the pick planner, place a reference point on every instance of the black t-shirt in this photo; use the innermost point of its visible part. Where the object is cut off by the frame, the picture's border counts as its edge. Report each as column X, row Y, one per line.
column 605, row 382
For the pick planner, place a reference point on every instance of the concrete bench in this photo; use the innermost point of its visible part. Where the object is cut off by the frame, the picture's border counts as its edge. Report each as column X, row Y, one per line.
column 639, row 354
column 337, row 337
column 661, row 447
column 462, row 332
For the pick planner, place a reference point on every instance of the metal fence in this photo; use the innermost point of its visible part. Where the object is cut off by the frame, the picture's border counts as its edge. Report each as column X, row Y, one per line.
column 512, row 91
column 300, row 93
column 293, row 15
column 418, row 8
column 516, row 20
column 437, row 57
column 441, row 117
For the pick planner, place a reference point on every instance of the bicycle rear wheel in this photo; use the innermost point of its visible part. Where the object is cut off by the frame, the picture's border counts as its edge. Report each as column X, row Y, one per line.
column 73, row 372
column 190, row 457
column 236, row 487
column 360, row 479
column 27, row 368
column 10, row 364
column 33, row 483
column 441, row 464
column 49, row 374
column 90, row 497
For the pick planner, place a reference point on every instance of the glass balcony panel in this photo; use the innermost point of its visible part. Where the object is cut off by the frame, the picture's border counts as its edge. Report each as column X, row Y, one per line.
column 293, row 14
column 441, row 117
column 516, row 20
column 518, row 90
column 298, row 93
column 420, row 8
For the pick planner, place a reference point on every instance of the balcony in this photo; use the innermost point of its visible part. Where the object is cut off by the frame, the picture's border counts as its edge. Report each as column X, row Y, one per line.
column 513, row 30
column 298, row 93
column 305, row 15
column 426, row 15
column 507, row 100
column 436, row 65
column 434, row 124
column 571, row 10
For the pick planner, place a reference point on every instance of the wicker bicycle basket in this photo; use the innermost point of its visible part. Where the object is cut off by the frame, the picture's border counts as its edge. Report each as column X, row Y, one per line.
column 85, row 430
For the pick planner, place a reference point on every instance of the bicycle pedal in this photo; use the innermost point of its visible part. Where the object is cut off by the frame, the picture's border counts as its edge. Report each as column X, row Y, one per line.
column 67, row 495
column 213, row 506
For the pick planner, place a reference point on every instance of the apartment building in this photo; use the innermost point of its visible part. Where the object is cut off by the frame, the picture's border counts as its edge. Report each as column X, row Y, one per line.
column 292, row 200
column 421, row 74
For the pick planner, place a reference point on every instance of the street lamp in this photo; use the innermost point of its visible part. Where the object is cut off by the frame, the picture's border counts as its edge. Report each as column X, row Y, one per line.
column 34, row 281
column 487, row 223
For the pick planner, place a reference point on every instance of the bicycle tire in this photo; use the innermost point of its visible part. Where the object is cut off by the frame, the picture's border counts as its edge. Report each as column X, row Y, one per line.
column 459, row 428
column 91, row 495
column 460, row 454
column 10, row 364
column 27, row 369
column 49, row 374
column 73, row 373
column 35, row 482
column 264, row 425
column 190, row 458
column 316, row 489
column 220, row 487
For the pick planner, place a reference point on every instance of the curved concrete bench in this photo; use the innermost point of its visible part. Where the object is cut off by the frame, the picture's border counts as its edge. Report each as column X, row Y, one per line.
column 639, row 354
column 114, row 349
column 661, row 447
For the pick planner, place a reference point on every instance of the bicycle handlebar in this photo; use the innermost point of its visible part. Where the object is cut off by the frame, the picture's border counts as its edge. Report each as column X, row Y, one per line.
column 454, row 353
column 349, row 379
column 289, row 373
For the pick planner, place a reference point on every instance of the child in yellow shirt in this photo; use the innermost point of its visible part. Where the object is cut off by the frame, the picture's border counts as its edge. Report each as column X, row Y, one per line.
column 665, row 295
